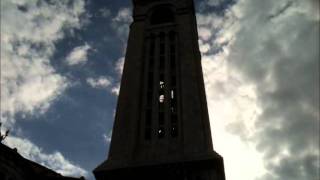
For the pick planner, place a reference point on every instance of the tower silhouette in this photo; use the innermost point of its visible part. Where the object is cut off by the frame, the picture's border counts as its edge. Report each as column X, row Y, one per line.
column 161, row 129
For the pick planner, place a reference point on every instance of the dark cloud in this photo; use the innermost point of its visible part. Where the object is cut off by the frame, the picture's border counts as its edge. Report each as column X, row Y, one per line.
column 274, row 45
column 282, row 58
column 282, row 10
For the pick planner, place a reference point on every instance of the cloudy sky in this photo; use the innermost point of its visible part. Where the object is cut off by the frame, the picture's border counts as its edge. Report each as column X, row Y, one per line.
column 61, row 63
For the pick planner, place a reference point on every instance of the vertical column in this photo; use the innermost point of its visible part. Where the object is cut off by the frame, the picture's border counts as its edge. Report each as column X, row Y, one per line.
column 173, row 87
column 162, row 86
column 149, row 88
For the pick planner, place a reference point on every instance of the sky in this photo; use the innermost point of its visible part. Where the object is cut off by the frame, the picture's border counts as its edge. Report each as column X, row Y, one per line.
column 61, row 64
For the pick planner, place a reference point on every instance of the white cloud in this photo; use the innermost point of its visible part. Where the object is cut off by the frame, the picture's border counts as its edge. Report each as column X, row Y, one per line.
column 105, row 12
column 107, row 137
column 55, row 161
column 204, row 47
column 116, row 89
column 79, row 55
column 119, row 68
column 101, row 82
column 124, row 15
column 215, row 2
column 119, row 65
column 120, row 23
column 205, row 33
column 231, row 99
column 29, row 84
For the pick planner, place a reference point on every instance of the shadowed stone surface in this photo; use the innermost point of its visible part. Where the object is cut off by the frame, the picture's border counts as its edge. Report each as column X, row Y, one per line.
column 162, row 128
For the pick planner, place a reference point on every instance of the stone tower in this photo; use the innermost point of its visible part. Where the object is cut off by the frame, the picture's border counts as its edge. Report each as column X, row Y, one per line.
column 161, row 129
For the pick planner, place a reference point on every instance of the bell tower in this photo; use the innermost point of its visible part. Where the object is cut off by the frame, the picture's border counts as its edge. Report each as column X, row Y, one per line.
column 161, row 129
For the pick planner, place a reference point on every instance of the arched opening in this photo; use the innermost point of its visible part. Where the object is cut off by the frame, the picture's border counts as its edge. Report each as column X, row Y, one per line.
column 161, row 15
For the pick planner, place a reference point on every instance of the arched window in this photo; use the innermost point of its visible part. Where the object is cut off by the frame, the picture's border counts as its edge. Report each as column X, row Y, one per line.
column 161, row 15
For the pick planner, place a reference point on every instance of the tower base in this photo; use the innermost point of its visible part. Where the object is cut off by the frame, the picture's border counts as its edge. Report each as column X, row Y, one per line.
column 208, row 169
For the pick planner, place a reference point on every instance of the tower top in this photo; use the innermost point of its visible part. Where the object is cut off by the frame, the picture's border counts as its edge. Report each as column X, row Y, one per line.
column 151, row 1
column 144, row 7
column 147, row 2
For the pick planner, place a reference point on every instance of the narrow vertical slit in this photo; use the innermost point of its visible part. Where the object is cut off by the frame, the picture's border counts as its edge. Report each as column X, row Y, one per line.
column 149, row 86
column 162, row 86
column 173, row 93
